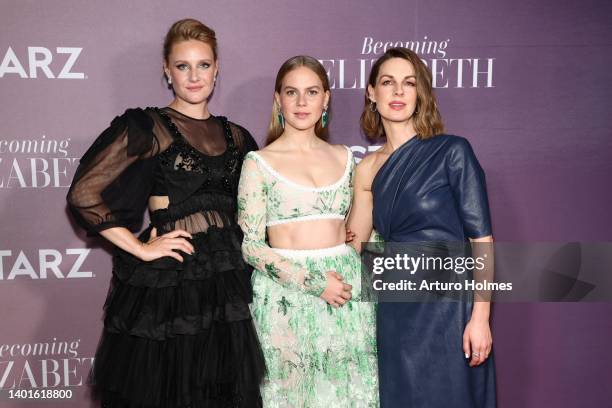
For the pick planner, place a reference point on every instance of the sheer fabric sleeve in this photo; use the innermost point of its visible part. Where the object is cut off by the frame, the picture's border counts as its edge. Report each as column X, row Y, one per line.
column 467, row 180
column 252, row 200
column 113, row 181
column 242, row 137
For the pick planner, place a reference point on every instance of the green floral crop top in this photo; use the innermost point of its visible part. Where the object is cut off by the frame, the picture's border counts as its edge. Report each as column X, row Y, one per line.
column 266, row 198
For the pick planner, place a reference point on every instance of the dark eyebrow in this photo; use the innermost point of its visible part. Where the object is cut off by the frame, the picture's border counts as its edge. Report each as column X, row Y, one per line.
column 390, row 76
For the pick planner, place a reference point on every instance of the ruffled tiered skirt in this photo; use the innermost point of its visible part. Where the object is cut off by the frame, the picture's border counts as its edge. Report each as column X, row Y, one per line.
column 180, row 334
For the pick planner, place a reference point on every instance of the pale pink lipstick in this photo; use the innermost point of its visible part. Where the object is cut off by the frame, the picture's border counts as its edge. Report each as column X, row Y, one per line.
column 397, row 105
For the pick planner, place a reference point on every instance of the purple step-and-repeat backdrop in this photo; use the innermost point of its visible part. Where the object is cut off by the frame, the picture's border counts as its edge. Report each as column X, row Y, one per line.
column 527, row 82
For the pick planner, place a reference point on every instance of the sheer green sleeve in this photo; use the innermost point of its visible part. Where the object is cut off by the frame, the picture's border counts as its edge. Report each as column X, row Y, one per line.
column 252, row 200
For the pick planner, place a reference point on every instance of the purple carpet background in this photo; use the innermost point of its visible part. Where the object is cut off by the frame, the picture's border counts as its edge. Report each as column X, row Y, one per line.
column 537, row 113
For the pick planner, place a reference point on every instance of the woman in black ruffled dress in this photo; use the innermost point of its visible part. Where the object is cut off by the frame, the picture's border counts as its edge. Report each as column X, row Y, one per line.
column 177, row 327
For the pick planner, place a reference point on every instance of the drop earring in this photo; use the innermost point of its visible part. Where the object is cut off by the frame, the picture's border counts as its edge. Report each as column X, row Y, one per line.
column 281, row 118
column 324, row 118
column 372, row 106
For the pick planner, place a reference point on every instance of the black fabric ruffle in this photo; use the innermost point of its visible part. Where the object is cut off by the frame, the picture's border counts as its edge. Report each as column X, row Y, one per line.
column 221, row 367
column 209, row 201
column 217, row 253
column 180, row 334
column 165, row 298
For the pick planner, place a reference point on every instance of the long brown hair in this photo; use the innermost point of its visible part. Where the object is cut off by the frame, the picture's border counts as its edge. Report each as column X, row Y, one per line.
column 275, row 129
column 426, row 118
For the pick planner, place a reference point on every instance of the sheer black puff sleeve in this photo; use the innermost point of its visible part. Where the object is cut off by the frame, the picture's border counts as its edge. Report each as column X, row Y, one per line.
column 114, row 178
column 467, row 180
column 243, row 139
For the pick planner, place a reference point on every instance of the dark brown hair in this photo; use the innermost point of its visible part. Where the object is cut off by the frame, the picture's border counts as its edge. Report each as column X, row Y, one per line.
column 189, row 29
column 426, row 118
column 275, row 129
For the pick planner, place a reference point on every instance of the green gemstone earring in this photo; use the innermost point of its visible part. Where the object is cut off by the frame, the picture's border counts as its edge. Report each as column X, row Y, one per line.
column 281, row 119
column 324, row 118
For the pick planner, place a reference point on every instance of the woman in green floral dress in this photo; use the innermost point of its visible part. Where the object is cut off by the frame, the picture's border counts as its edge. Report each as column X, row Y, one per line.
column 294, row 195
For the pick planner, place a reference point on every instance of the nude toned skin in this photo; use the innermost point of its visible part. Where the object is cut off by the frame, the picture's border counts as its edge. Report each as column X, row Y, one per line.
column 396, row 82
column 300, row 156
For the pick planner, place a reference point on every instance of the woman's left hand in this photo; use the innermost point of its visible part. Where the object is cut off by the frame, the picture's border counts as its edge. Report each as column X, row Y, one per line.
column 477, row 341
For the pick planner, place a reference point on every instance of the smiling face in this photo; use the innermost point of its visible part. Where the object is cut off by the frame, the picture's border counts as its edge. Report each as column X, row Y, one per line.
column 395, row 91
column 192, row 68
column 302, row 98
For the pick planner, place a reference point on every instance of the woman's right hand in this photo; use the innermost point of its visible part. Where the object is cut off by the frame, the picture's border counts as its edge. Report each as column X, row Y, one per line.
column 166, row 245
column 350, row 236
column 336, row 293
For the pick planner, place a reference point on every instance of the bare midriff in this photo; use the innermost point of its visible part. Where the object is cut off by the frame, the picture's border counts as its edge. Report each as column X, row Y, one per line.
column 310, row 234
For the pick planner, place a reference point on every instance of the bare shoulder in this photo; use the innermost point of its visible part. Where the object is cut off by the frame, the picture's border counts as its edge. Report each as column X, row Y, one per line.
column 270, row 152
column 364, row 172
column 369, row 163
column 368, row 167
column 339, row 148
column 339, row 151
column 277, row 154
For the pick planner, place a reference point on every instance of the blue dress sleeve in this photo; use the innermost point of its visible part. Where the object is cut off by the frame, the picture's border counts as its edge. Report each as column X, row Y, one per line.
column 468, row 184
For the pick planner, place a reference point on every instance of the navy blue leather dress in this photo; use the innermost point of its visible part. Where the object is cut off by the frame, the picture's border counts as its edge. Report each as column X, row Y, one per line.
column 430, row 191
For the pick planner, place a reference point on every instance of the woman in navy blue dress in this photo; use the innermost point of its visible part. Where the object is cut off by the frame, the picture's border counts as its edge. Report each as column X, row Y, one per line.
column 428, row 187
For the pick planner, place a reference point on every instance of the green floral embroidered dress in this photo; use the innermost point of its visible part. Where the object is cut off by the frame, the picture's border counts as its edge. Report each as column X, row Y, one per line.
column 317, row 356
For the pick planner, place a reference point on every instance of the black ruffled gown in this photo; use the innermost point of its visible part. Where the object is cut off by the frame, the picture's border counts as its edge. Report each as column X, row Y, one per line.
column 175, row 334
